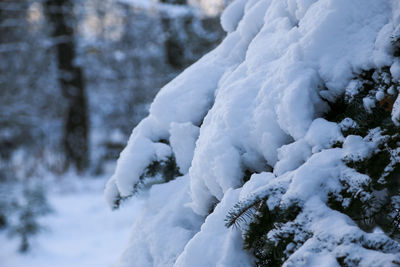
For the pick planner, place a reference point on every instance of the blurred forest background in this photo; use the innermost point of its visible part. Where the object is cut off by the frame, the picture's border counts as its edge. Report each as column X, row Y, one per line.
column 76, row 76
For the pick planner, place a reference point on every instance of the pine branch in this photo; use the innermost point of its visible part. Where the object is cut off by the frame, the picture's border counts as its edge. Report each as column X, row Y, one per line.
column 243, row 211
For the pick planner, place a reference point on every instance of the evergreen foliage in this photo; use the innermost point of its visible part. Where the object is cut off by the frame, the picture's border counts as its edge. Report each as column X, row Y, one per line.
column 351, row 104
column 378, row 203
column 166, row 168
column 267, row 234
column 20, row 213
column 243, row 211
column 33, row 206
column 364, row 110
column 159, row 171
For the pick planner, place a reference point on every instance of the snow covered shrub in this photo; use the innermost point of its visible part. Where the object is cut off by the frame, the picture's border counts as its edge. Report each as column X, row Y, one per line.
column 21, row 206
column 374, row 204
column 159, row 169
column 287, row 139
column 28, row 209
column 366, row 112
column 369, row 189
column 270, row 251
column 23, row 197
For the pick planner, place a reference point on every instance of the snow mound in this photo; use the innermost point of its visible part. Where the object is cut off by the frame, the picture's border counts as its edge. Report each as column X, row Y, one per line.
column 254, row 105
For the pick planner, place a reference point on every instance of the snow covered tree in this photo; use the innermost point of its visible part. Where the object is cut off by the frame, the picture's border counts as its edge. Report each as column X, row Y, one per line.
column 288, row 130
column 366, row 113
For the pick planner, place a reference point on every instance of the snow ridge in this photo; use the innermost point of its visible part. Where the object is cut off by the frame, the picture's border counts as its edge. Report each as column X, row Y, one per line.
column 253, row 105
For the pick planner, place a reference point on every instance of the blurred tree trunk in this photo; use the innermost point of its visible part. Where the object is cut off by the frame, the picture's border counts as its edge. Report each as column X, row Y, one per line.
column 61, row 18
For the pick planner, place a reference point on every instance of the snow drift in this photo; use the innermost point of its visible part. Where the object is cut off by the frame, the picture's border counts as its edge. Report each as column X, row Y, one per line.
column 246, row 120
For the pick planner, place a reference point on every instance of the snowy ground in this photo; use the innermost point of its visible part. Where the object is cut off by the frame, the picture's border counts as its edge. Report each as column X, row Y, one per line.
column 81, row 230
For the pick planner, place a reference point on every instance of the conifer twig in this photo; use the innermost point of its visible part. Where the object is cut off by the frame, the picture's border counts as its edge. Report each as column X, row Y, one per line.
column 243, row 211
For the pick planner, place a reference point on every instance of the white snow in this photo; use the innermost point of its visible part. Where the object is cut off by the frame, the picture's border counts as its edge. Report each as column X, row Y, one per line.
column 379, row 95
column 175, row 224
column 80, row 232
column 322, row 134
column 256, row 99
column 395, row 70
column 232, row 15
column 291, row 156
column 183, row 138
column 369, row 103
column 396, row 111
column 226, row 248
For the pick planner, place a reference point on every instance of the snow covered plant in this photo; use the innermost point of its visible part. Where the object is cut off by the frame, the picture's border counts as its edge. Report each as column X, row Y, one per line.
column 282, row 145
